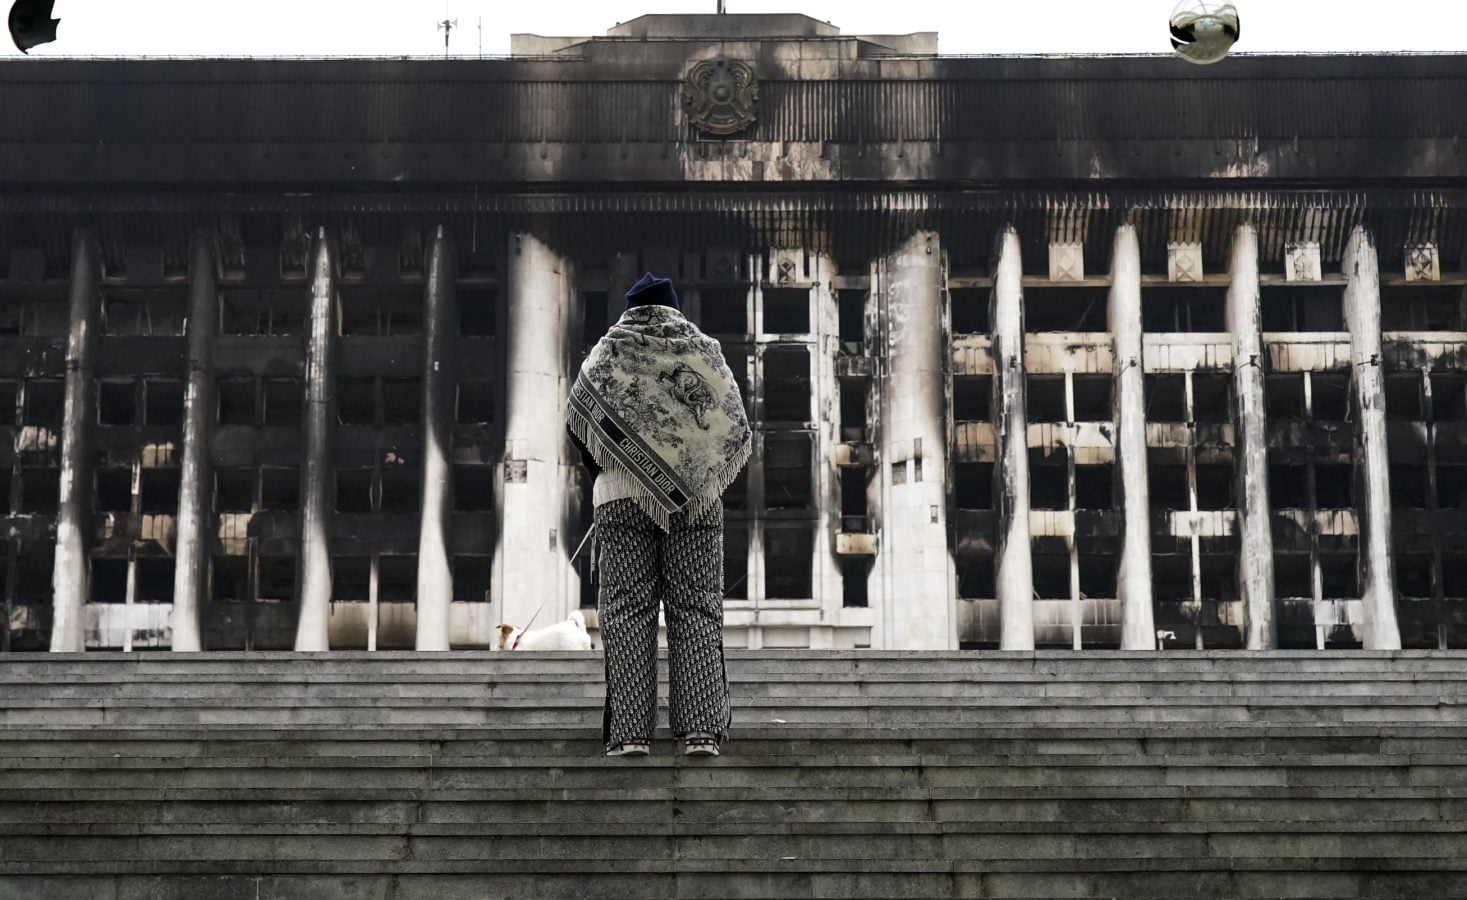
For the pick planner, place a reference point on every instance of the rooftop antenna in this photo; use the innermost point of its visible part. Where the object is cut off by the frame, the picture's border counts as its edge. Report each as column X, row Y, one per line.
column 481, row 37
column 447, row 26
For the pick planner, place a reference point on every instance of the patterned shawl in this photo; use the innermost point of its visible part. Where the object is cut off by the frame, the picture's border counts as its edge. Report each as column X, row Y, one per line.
column 656, row 403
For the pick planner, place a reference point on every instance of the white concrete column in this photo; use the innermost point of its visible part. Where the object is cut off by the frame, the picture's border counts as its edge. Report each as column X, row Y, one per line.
column 70, row 577
column 1372, row 457
column 1013, row 566
column 440, row 334
column 1250, row 445
column 918, row 607
column 191, row 572
column 317, row 472
column 532, row 569
column 1133, row 576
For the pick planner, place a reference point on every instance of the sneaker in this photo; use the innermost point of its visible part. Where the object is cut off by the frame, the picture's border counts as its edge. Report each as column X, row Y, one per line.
column 629, row 748
column 700, row 743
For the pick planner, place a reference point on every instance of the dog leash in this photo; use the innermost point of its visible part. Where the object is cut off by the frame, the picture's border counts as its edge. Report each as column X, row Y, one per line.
column 524, row 630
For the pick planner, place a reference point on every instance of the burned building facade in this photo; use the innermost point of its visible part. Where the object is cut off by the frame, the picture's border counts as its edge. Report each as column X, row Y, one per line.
column 1085, row 352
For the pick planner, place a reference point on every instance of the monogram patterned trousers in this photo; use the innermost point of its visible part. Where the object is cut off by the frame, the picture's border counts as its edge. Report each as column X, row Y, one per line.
column 641, row 566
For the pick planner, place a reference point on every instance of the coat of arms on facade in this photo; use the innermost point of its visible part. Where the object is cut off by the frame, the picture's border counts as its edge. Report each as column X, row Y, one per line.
column 720, row 95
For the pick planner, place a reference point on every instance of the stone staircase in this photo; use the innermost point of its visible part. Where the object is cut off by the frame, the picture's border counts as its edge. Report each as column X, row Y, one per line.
column 390, row 776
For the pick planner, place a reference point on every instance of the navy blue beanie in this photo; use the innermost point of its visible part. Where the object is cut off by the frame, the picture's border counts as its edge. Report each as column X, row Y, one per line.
column 651, row 289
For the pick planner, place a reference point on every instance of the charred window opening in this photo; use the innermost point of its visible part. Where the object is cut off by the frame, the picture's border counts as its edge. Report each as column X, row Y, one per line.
column 1218, row 576
column 46, row 318
column 737, row 494
column 400, row 488
column 155, row 311
column 786, row 310
column 788, row 553
column 1288, row 486
column 1413, row 574
column 6, row 506
column 254, row 312
column 275, row 578
column 1215, row 486
column 33, row 577
column 853, row 499
column 402, row 401
column 973, row 485
column 369, row 311
column 595, row 316
column 851, row 312
column 736, row 561
column 1174, row 309
column 9, row 401
column 786, row 389
column 1298, row 309
column 1051, row 576
column 155, row 579
column 109, row 580
column 1171, row 577
column 397, row 579
column 231, row 580
column 1097, row 575
column 855, row 573
column 1454, row 574
column 356, row 401
column 471, row 579
column 738, row 364
column 158, row 489
column 1283, row 396
column 114, row 491
column 1167, row 486
column 1065, row 309
column 163, row 403
column 40, row 489
column 475, row 402
column 1092, row 398
column 1422, row 307
column 1337, row 575
column 787, row 471
column 852, row 409
column 354, row 490
column 45, row 401
column 1451, row 486
column 1448, row 396
column 1403, row 397
column 1329, row 397
column 1166, row 398
column 724, row 311
column 236, row 401
column 1049, row 478
column 1408, row 486
column 117, row 403
column 1334, row 486
column 473, row 488
column 478, row 312
column 280, row 488
column 972, row 398
column 283, row 401
column 969, row 310
column 1211, row 398
column 351, row 579
column 1045, row 398
column 1095, row 488
column 234, row 490
column 976, row 577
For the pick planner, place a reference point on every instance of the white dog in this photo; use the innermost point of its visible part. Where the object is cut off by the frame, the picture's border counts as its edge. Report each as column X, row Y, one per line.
column 568, row 635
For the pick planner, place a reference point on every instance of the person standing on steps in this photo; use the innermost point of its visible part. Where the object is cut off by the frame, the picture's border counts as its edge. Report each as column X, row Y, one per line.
column 660, row 422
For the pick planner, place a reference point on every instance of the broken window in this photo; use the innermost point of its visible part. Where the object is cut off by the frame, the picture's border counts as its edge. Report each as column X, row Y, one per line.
column 1097, row 575
column 1454, row 575
column 280, row 488
column 1451, row 486
column 401, row 488
column 473, row 488
column 263, row 312
column 1337, row 575
column 1413, row 574
column 724, row 311
column 1403, row 396
column 1049, row 478
column 369, row 311
column 1051, row 576
column 9, row 400
column 1333, row 485
column 976, row 577
column 786, row 310
column 788, row 551
column 478, row 311
column 471, row 579
column 1288, row 486
column 231, row 580
column 1045, row 398
column 163, row 403
column 853, row 498
column 1300, row 308
column 1092, row 398
column 46, row 318
column 1095, row 489
column 40, row 489
column 356, row 401
column 1422, row 307
column 1218, row 576
column 969, row 310
column 1211, row 397
column 114, row 490
column 1448, row 395
column 1408, row 486
column 1171, row 577
column 402, row 401
column 234, row 490
column 45, row 400
column 397, row 579
column 154, row 579
column 117, row 403
column 159, row 491
column 109, row 580
column 475, row 402
column 1167, row 486
column 155, row 311
column 736, row 496
column 786, row 384
column 853, row 409
column 851, row 311
column 787, row 471
column 1329, row 397
column 1166, row 398
column 1065, row 309
column 1214, row 486
column 737, row 359
column 855, row 572
column 972, row 396
column 236, row 401
column 595, row 316
column 282, row 401
column 973, row 485
column 736, row 560
column 275, row 578
column 351, row 579
column 1283, row 395
column 354, row 490
column 1176, row 308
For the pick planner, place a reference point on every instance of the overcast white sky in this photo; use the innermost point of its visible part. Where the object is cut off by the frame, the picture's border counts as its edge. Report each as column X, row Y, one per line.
column 407, row 27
